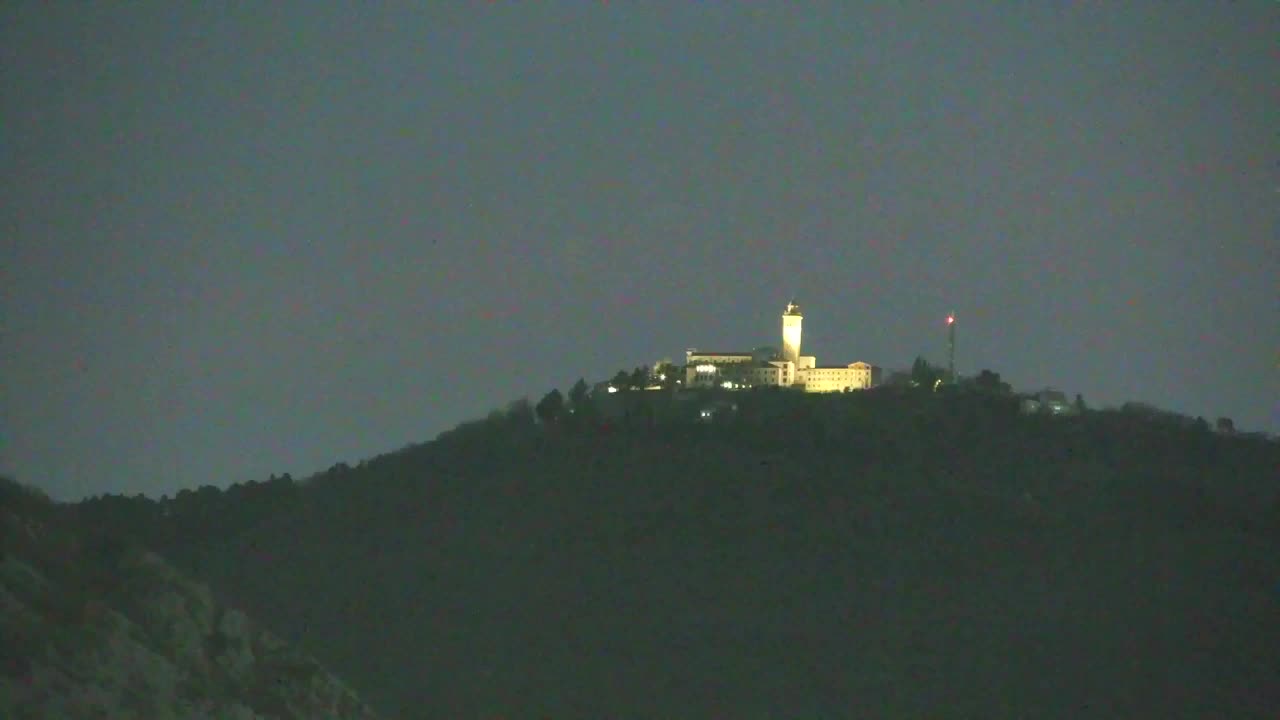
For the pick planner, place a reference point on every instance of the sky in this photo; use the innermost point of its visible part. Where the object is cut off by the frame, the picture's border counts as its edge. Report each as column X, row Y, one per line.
column 243, row 239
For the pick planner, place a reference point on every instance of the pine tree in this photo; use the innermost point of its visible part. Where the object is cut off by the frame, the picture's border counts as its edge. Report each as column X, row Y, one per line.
column 550, row 408
column 578, row 396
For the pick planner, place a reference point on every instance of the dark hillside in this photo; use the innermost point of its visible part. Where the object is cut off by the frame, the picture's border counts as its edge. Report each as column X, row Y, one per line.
column 883, row 554
column 92, row 625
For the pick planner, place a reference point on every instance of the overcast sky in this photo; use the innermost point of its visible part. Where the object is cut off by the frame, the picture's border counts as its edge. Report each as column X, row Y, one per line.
column 254, row 238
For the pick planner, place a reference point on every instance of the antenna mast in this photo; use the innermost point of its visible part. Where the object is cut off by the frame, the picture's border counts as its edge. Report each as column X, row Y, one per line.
column 951, row 347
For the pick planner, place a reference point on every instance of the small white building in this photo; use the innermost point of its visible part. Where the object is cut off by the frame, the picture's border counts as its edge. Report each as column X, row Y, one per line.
column 1048, row 401
column 841, row 378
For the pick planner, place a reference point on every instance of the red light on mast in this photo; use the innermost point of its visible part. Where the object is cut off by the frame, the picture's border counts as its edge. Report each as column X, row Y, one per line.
column 951, row 319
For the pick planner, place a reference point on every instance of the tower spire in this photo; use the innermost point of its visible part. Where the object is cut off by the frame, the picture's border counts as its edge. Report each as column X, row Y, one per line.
column 791, row 330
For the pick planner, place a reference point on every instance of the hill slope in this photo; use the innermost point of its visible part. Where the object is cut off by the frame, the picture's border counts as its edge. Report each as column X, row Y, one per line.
column 877, row 555
column 94, row 628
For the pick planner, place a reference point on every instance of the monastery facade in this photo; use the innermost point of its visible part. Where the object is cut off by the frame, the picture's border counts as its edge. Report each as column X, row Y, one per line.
column 770, row 367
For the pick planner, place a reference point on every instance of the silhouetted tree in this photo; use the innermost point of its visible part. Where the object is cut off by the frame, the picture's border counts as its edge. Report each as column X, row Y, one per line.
column 898, row 378
column 520, row 413
column 550, row 408
column 581, row 406
column 989, row 380
column 666, row 375
column 21, row 497
column 1226, row 425
column 578, row 396
column 1080, row 406
column 924, row 374
column 639, row 379
column 621, row 380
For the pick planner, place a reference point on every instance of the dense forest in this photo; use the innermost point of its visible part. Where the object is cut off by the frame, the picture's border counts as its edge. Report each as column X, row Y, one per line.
column 897, row 551
column 94, row 625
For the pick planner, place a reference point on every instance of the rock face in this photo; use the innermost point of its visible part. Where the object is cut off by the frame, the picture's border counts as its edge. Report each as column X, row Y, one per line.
column 91, row 627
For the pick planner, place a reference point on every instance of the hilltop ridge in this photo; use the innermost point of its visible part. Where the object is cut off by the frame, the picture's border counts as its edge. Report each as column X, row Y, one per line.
column 874, row 553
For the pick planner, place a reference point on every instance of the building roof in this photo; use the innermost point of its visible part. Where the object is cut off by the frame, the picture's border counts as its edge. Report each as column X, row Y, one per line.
column 706, row 353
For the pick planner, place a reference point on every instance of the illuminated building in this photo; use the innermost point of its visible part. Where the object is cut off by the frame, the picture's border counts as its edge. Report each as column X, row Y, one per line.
column 768, row 367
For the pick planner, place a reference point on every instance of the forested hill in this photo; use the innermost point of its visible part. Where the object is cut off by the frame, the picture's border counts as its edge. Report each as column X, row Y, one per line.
column 95, row 626
column 873, row 554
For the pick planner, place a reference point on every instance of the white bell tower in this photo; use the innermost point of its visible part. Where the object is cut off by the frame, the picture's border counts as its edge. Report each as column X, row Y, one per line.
column 791, row 322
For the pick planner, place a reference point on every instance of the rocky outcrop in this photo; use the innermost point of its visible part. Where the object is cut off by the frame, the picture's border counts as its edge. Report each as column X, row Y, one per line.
column 91, row 627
